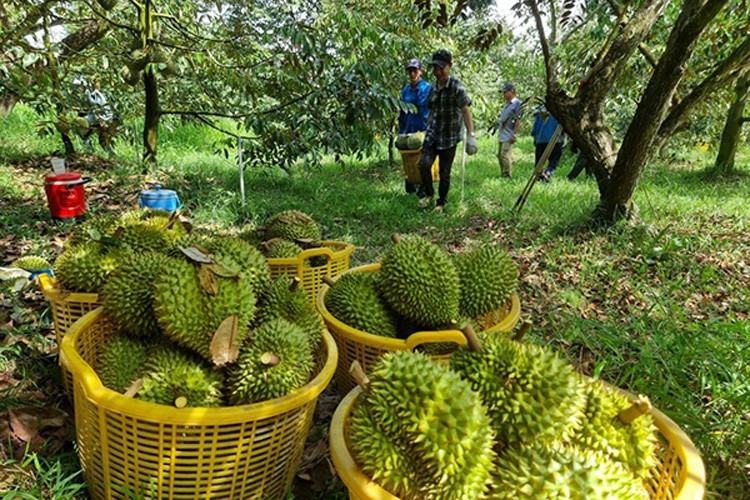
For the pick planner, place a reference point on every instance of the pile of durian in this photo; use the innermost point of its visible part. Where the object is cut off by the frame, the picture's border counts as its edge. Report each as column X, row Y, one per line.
column 200, row 322
column 502, row 420
column 285, row 235
column 420, row 287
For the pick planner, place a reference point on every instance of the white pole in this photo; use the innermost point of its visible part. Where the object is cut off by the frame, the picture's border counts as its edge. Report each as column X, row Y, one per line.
column 463, row 166
column 242, row 169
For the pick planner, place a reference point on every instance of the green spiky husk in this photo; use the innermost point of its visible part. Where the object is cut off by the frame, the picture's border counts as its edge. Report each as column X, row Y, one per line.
column 235, row 252
column 93, row 229
column 31, row 263
column 141, row 236
column 281, row 302
column 561, row 472
column 355, row 301
column 278, row 248
column 488, row 278
column 128, row 295
column 632, row 444
column 250, row 380
column 422, row 418
column 532, row 394
column 171, row 373
column 121, row 361
column 85, row 268
column 293, row 225
column 419, row 281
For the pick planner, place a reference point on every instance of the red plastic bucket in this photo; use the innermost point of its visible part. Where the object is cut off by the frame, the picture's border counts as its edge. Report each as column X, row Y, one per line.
column 65, row 194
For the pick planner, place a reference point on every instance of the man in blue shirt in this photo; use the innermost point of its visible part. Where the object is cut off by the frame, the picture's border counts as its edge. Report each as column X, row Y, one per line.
column 508, row 125
column 449, row 108
column 415, row 92
column 543, row 129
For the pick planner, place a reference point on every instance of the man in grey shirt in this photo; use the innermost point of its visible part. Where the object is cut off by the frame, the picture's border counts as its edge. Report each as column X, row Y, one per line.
column 508, row 125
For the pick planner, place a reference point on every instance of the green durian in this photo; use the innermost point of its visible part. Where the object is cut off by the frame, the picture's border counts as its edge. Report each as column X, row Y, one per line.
column 419, row 281
column 93, row 229
column 288, row 302
column 532, row 394
column 121, row 361
column 128, row 294
column 538, row 472
column 632, row 444
column 279, row 248
column 163, row 220
column 276, row 361
column 31, row 263
column 140, row 236
column 85, row 267
column 293, row 225
column 172, row 373
column 250, row 234
column 420, row 432
column 488, row 279
column 234, row 252
column 354, row 300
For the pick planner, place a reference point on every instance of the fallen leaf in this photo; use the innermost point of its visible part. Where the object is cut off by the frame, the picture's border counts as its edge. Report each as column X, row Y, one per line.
column 208, row 280
column 23, row 424
column 196, row 255
column 224, row 344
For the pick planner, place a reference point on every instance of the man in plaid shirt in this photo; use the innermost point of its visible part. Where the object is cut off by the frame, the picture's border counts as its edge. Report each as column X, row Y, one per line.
column 449, row 106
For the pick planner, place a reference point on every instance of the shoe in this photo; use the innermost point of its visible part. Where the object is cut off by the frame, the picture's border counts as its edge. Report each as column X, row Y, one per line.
column 425, row 202
column 439, row 208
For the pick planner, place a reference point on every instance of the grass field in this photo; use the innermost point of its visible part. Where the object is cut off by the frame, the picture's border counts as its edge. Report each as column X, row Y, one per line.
column 659, row 306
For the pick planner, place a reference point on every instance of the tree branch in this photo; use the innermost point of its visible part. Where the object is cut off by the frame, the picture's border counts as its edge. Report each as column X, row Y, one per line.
column 543, row 42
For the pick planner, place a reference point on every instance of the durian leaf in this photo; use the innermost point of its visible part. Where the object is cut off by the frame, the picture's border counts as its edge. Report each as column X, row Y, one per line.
column 208, row 280
column 224, row 271
column 132, row 391
column 196, row 255
column 225, row 343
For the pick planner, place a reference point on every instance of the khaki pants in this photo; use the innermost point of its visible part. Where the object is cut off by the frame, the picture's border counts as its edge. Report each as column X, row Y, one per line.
column 506, row 160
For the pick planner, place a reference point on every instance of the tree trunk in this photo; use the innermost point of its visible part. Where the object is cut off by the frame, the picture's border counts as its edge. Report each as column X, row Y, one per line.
column 151, row 122
column 70, row 150
column 730, row 136
column 7, row 103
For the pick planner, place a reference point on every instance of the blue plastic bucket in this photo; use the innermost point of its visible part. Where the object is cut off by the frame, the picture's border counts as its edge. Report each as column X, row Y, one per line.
column 163, row 199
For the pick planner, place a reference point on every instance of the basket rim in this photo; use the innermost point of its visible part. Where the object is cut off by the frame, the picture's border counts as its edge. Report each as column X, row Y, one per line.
column 344, row 249
column 414, row 339
column 690, row 487
column 102, row 396
column 52, row 291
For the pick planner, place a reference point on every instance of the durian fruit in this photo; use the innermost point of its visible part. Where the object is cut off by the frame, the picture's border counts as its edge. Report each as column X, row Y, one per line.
column 234, row 296
column 121, row 361
column 293, row 225
column 288, row 301
column 31, row 263
column 354, row 300
column 250, row 234
column 172, row 373
column 274, row 363
column 414, row 141
column 93, row 229
column 488, row 278
column 420, row 432
column 234, row 252
column 532, row 394
column 85, row 268
column 401, row 141
column 537, row 472
column 140, row 236
column 279, row 248
column 419, row 281
column 190, row 240
column 603, row 431
column 163, row 220
column 128, row 294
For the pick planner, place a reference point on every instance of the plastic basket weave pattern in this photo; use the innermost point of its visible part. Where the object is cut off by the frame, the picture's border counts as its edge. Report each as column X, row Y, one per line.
column 410, row 159
column 66, row 308
column 336, row 254
column 128, row 446
column 367, row 348
column 678, row 474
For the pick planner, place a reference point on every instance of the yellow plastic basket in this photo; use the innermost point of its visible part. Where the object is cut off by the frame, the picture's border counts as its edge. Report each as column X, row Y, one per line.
column 66, row 308
column 677, row 475
column 367, row 348
column 336, row 254
column 410, row 159
column 131, row 447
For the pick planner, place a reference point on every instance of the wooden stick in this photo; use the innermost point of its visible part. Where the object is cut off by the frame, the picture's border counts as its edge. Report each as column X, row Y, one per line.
column 474, row 343
column 296, row 282
column 640, row 406
column 521, row 201
column 395, row 238
column 181, row 402
column 522, row 330
column 358, row 374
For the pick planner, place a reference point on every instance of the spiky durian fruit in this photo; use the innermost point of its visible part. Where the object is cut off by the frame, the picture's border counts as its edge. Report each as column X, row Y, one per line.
column 537, row 471
column 172, row 373
column 250, row 234
column 274, row 363
column 631, row 444
column 282, row 300
column 179, row 306
column 121, row 361
column 234, row 296
column 419, row 281
column 93, row 230
column 421, row 432
column 293, row 225
column 31, row 263
column 279, row 248
column 128, row 294
column 234, row 252
column 188, row 241
column 140, row 236
column 85, row 268
column 355, row 300
column 532, row 394
column 488, row 278
column 163, row 220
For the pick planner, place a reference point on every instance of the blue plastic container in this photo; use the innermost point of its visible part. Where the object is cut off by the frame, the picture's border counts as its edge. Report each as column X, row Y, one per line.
column 163, row 199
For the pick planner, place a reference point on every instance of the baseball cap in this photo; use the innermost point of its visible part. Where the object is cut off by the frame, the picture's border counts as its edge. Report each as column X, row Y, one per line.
column 508, row 86
column 414, row 63
column 442, row 58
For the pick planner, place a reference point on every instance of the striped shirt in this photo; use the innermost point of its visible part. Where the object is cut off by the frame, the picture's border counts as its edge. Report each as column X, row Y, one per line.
column 445, row 122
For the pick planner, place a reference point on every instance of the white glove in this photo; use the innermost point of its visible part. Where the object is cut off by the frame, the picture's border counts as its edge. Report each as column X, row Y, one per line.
column 471, row 145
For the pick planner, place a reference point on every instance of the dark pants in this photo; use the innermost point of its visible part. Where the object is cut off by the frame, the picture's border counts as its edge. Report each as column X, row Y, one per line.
column 425, row 170
column 580, row 165
column 554, row 157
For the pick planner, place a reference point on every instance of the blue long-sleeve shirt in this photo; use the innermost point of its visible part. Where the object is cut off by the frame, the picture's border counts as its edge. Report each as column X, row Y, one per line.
column 414, row 122
column 543, row 130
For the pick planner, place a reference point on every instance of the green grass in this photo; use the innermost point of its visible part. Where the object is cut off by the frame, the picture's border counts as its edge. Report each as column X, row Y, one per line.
column 658, row 307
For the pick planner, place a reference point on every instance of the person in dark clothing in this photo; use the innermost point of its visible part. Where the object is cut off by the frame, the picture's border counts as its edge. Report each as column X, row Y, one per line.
column 415, row 92
column 580, row 164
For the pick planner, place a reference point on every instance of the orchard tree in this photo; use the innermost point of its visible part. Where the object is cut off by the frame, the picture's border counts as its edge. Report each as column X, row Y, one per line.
column 730, row 136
